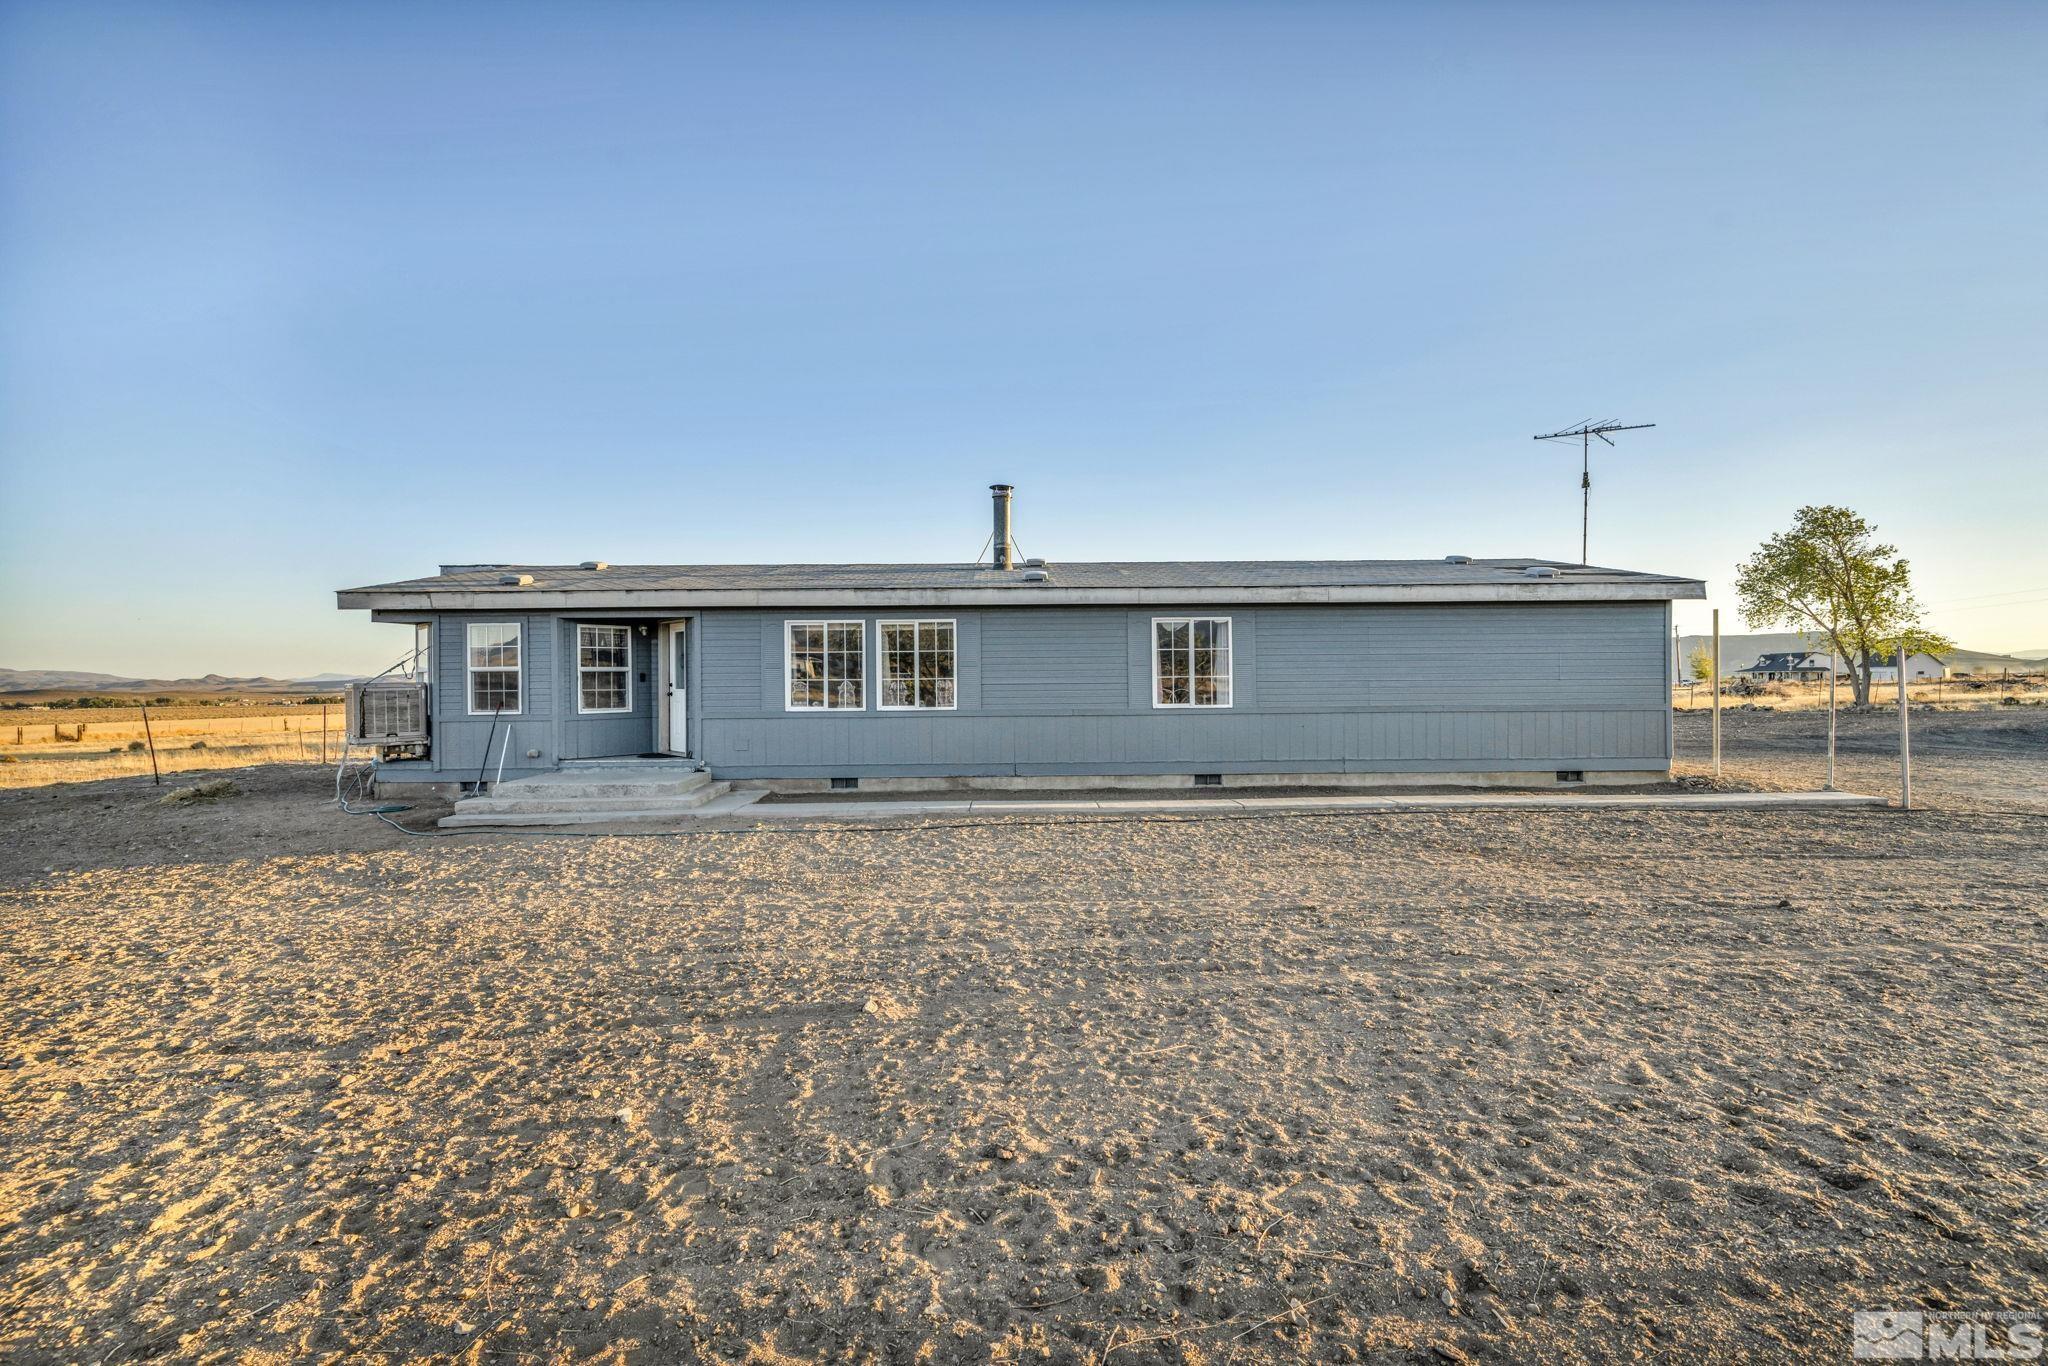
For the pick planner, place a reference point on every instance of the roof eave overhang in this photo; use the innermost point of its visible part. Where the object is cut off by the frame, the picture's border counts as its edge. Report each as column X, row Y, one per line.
column 647, row 599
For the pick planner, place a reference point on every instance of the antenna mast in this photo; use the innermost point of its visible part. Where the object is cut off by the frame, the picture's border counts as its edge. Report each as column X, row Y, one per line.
column 1585, row 432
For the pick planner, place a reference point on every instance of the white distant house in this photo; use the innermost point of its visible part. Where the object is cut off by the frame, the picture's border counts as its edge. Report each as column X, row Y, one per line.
column 1789, row 667
column 1809, row 666
column 1919, row 665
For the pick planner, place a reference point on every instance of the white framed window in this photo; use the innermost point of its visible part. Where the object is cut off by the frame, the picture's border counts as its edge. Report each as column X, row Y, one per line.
column 917, row 665
column 494, row 650
column 1191, row 661
column 604, row 669
column 827, row 665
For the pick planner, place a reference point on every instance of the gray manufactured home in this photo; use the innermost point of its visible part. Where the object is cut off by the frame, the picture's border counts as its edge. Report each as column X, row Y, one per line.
column 1455, row 670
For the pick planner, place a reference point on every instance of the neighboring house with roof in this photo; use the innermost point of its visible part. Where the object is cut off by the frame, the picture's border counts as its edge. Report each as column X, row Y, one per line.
column 1919, row 665
column 1801, row 666
column 1494, row 670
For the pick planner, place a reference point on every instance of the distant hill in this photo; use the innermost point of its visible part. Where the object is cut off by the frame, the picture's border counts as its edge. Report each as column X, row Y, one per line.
column 73, row 680
column 2030, row 654
column 39, row 680
column 1739, row 652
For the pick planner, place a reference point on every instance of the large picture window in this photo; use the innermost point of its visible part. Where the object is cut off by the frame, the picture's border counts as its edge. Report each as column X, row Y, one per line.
column 493, row 667
column 604, row 669
column 917, row 665
column 1191, row 661
column 827, row 665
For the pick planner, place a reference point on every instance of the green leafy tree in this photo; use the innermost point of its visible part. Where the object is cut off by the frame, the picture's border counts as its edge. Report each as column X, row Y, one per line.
column 1830, row 576
column 1700, row 664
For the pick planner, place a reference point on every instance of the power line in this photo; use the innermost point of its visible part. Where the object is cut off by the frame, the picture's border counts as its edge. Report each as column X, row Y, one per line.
column 1979, row 597
column 1987, row 606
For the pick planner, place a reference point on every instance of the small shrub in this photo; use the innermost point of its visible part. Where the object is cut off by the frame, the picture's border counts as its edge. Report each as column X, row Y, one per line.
column 199, row 744
column 136, row 747
column 203, row 792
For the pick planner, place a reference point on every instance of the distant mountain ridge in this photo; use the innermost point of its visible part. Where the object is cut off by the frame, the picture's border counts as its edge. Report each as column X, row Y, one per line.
column 1741, row 651
column 54, row 680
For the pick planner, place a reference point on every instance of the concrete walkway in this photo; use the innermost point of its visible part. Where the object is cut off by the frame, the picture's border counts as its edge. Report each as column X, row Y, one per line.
column 748, row 804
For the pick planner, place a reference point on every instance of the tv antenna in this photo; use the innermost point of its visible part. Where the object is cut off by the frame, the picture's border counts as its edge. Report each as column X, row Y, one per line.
column 1585, row 432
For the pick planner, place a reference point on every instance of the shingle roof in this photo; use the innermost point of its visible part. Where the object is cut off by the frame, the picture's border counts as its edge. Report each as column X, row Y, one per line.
column 1204, row 576
column 1787, row 662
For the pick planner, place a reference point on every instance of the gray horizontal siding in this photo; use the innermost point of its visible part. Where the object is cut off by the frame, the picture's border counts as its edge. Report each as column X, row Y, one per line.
column 729, row 663
column 1316, row 689
column 592, row 737
column 1059, row 660
column 1336, row 688
column 460, row 740
column 1341, row 658
column 1382, row 741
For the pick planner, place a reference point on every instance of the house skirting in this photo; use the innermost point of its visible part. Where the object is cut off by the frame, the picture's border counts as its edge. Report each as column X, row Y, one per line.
column 1152, row 782
column 397, row 781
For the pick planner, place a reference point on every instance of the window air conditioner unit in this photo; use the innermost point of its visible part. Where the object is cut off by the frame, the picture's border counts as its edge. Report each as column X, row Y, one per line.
column 388, row 713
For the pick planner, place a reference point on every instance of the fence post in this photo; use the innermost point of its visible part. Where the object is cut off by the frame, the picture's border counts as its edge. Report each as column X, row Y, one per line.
column 1830, row 785
column 323, row 732
column 1905, row 738
column 154, row 772
column 1717, row 692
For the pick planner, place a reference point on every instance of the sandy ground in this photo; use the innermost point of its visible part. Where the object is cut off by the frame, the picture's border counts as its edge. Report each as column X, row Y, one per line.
column 281, row 1083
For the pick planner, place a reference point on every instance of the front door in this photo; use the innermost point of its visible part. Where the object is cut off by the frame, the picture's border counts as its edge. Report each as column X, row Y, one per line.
column 677, row 668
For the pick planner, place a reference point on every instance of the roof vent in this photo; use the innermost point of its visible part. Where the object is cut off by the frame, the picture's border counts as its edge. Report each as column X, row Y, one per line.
column 1035, row 562
column 594, row 564
column 1036, row 576
column 515, row 580
column 1457, row 559
column 1540, row 571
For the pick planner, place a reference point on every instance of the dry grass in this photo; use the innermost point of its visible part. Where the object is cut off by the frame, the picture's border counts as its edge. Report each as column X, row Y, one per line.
column 1947, row 693
column 57, row 745
column 37, row 767
column 25, row 731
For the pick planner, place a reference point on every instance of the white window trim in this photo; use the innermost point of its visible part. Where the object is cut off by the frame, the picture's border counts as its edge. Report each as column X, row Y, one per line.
column 1229, row 675
column 471, row 670
column 867, row 679
column 882, row 662
column 581, row 669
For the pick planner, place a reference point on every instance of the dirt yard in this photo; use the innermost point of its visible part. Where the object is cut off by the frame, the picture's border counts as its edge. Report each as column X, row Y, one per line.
column 282, row 1083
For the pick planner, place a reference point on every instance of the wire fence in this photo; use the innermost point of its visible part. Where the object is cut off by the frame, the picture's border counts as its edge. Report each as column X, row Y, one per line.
column 78, row 746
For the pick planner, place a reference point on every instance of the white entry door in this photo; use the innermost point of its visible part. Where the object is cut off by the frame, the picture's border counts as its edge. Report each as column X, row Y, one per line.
column 677, row 667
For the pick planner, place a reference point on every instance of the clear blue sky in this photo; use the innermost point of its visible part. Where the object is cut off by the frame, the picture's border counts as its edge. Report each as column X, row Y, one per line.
column 301, row 296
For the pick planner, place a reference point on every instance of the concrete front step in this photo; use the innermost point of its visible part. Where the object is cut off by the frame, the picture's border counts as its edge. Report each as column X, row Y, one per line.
column 509, row 802
column 486, row 819
column 587, row 793
column 573, row 785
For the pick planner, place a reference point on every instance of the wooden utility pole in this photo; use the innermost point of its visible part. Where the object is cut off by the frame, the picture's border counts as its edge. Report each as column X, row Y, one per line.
column 154, row 772
column 1717, row 692
column 323, row 732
